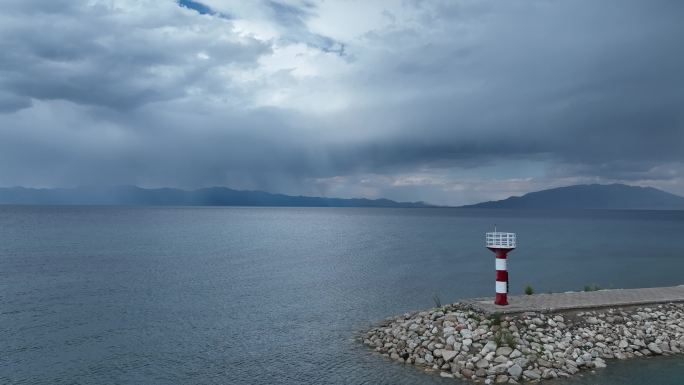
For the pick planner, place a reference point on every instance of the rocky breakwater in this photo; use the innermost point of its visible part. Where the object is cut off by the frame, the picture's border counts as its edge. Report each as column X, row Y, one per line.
column 459, row 342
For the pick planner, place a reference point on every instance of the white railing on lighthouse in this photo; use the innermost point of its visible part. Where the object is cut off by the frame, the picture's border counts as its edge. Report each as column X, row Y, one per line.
column 499, row 240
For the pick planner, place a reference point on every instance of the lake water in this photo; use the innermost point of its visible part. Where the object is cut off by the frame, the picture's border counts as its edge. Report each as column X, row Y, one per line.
column 113, row 295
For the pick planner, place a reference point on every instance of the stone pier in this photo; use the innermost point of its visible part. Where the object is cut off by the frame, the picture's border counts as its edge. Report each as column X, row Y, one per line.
column 580, row 300
column 535, row 337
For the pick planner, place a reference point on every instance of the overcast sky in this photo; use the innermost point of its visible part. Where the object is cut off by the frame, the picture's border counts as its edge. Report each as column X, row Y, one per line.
column 449, row 102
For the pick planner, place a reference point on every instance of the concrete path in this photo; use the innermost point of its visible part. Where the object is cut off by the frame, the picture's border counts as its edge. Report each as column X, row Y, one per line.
column 581, row 300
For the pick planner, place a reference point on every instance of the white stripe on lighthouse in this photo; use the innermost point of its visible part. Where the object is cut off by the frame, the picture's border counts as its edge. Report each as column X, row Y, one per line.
column 501, row 287
column 500, row 264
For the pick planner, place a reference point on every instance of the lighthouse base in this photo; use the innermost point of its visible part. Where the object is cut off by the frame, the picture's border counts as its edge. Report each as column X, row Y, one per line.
column 501, row 299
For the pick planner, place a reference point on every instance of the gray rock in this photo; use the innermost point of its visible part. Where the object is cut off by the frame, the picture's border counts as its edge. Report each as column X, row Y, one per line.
column 522, row 361
column 544, row 363
column 504, row 351
column 533, row 374
column 599, row 363
column 482, row 363
column 653, row 347
column 501, row 359
column 549, row 373
column 499, row 369
column 448, row 355
column 489, row 347
column 515, row 371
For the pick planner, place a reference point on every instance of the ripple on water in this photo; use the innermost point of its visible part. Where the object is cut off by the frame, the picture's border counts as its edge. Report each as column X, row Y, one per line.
column 276, row 295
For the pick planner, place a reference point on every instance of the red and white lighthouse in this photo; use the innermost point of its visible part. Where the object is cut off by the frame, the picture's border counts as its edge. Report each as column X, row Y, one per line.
column 501, row 243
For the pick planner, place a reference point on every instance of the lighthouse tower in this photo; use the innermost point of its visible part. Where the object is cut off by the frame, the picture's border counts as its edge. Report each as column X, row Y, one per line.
column 501, row 243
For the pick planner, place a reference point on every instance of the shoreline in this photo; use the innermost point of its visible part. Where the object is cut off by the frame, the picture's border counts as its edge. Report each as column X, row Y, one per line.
column 464, row 342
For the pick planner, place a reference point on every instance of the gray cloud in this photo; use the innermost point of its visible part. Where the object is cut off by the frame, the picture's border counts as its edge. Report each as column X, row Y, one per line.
column 110, row 56
column 441, row 101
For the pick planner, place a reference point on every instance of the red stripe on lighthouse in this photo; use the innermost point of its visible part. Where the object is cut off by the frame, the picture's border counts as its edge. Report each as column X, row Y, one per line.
column 501, row 277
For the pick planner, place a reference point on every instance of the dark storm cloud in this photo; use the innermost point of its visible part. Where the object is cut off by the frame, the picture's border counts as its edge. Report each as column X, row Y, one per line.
column 10, row 102
column 104, row 56
column 175, row 93
column 590, row 85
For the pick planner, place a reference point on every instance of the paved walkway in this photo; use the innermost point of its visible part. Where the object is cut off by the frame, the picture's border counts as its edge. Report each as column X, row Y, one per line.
column 581, row 300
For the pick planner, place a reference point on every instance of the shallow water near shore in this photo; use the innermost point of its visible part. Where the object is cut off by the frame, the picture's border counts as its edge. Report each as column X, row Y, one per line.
column 276, row 295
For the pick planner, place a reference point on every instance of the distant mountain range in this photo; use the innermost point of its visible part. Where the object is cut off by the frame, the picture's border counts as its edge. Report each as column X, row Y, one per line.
column 213, row 196
column 593, row 196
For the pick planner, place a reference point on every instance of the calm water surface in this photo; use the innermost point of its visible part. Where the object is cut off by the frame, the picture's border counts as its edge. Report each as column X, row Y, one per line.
column 104, row 295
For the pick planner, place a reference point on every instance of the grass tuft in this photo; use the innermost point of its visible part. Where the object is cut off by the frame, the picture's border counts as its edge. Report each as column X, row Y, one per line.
column 529, row 290
column 595, row 287
column 505, row 337
column 436, row 300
